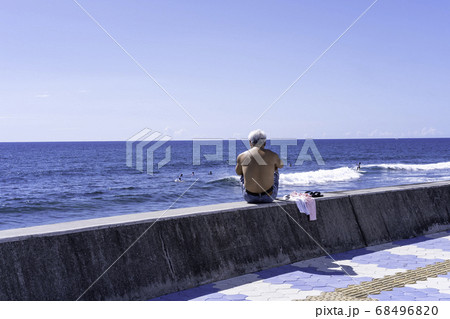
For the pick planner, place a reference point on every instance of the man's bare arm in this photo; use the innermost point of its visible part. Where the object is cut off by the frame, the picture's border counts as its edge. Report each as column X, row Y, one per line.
column 239, row 166
column 279, row 163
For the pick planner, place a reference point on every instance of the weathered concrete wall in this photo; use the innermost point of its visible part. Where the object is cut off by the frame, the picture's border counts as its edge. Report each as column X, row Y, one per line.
column 188, row 247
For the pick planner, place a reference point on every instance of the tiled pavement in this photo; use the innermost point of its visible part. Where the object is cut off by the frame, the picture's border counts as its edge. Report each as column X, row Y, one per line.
column 312, row 277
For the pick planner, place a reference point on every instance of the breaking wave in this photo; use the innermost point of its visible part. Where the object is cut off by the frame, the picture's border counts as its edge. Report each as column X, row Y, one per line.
column 412, row 167
column 341, row 174
column 318, row 177
column 321, row 176
column 229, row 180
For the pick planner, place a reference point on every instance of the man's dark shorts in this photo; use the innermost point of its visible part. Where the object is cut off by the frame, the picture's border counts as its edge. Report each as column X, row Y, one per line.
column 261, row 198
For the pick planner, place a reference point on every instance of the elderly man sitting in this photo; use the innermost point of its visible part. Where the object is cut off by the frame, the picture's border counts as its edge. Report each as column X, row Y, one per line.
column 258, row 168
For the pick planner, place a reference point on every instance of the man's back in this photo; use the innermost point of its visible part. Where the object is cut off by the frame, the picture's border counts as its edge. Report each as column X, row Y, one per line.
column 258, row 166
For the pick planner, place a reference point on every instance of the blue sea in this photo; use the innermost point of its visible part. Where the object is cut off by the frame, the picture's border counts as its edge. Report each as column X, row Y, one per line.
column 43, row 183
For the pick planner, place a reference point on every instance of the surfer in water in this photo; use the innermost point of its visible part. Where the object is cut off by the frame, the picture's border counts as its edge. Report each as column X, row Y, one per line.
column 179, row 177
column 258, row 168
column 358, row 167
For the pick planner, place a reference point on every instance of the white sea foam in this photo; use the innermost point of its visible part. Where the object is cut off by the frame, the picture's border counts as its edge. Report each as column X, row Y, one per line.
column 321, row 176
column 412, row 167
column 341, row 174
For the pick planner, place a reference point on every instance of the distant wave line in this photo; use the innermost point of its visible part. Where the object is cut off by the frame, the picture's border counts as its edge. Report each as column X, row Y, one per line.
column 321, row 176
column 411, row 167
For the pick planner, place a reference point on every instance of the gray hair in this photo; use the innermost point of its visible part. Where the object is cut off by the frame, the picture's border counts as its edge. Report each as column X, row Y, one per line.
column 257, row 137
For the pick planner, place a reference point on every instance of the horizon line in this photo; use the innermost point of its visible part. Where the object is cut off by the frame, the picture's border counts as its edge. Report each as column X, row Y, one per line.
column 226, row 139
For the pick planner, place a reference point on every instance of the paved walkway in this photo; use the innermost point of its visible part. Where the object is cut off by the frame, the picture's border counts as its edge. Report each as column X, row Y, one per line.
column 412, row 269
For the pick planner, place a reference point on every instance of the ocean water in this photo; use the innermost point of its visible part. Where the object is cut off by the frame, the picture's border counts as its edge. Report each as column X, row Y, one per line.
column 43, row 183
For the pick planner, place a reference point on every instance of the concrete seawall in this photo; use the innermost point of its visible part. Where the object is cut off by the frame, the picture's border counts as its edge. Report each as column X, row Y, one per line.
column 184, row 248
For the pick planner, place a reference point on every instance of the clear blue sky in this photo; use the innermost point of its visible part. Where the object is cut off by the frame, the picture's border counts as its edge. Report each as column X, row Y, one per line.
column 63, row 79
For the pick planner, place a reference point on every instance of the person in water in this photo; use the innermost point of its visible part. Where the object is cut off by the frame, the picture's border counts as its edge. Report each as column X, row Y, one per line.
column 258, row 168
column 358, row 167
column 210, row 173
column 179, row 177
